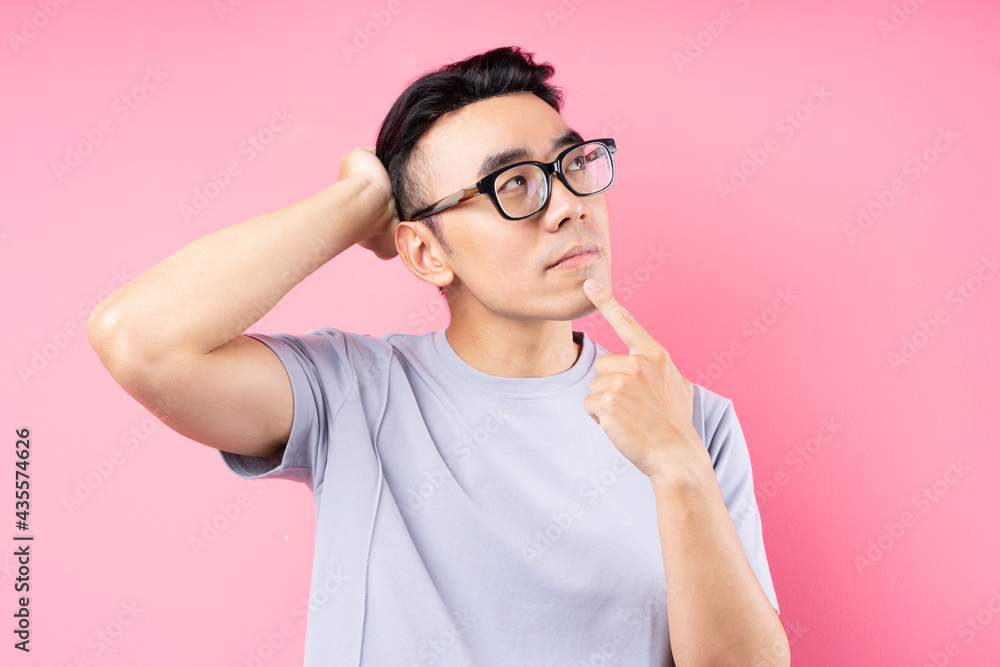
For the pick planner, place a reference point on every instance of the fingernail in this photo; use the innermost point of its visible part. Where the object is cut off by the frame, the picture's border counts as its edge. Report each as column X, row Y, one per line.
column 591, row 285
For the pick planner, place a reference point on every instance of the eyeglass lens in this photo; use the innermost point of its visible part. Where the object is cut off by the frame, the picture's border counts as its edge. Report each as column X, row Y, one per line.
column 522, row 191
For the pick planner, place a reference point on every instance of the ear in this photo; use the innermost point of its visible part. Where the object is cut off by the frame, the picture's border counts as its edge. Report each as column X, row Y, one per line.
column 422, row 254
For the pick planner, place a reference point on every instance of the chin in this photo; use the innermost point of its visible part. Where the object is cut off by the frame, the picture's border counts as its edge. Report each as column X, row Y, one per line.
column 581, row 308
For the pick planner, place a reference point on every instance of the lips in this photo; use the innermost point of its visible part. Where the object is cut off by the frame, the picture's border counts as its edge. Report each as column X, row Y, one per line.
column 577, row 250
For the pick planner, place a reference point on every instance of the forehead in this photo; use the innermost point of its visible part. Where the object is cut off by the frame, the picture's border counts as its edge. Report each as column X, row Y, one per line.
column 451, row 152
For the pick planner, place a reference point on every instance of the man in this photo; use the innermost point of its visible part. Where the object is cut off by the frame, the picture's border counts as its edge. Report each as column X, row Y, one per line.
column 502, row 492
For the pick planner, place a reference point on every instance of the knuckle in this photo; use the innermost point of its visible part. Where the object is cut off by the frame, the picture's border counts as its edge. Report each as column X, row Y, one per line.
column 610, row 400
column 660, row 354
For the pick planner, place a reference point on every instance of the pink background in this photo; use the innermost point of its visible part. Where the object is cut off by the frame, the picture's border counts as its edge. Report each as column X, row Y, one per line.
column 853, row 299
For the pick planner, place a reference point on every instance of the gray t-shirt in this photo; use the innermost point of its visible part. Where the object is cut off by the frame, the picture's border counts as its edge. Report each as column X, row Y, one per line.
column 468, row 519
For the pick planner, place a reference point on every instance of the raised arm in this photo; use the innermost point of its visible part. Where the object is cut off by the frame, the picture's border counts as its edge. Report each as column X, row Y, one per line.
column 173, row 336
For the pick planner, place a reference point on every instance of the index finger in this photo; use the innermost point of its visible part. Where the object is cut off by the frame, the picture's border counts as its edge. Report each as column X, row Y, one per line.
column 622, row 321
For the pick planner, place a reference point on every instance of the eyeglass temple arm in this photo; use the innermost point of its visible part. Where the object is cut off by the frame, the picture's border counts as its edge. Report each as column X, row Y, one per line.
column 447, row 202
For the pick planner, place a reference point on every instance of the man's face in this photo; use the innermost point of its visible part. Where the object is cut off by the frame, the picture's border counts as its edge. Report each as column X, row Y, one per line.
column 506, row 265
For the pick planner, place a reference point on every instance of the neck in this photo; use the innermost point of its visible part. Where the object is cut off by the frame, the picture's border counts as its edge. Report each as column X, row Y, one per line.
column 514, row 348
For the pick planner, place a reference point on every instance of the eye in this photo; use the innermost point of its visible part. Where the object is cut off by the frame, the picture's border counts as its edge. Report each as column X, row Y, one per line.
column 578, row 162
column 513, row 183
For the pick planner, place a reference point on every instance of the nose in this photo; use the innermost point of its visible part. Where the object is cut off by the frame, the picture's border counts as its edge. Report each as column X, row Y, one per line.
column 562, row 205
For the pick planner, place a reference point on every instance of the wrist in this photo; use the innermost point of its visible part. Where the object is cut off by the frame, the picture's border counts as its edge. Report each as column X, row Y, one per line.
column 378, row 202
column 683, row 468
column 362, row 202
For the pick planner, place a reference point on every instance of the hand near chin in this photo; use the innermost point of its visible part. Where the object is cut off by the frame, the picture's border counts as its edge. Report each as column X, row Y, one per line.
column 640, row 399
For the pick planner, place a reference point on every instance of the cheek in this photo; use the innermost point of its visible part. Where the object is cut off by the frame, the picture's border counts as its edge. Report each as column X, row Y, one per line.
column 494, row 258
column 513, row 262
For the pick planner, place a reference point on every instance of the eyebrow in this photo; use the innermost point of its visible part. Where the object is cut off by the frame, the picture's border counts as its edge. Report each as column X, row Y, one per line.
column 498, row 159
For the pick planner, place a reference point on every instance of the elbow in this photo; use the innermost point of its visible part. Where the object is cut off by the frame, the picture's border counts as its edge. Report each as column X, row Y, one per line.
column 100, row 325
column 146, row 373
column 775, row 653
column 772, row 650
column 107, row 333
column 118, row 344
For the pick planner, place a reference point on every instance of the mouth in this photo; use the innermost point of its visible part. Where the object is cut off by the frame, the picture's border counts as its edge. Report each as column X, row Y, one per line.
column 578, row 256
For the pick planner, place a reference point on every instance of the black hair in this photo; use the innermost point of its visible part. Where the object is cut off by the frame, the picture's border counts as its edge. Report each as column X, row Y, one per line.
column 496, row 72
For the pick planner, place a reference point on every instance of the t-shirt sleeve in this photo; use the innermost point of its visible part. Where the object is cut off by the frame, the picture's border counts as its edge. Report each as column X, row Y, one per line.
column 322, row 378
column 731, row 460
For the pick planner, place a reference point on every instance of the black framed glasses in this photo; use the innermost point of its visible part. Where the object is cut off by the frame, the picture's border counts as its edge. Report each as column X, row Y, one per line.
column 521, row 190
